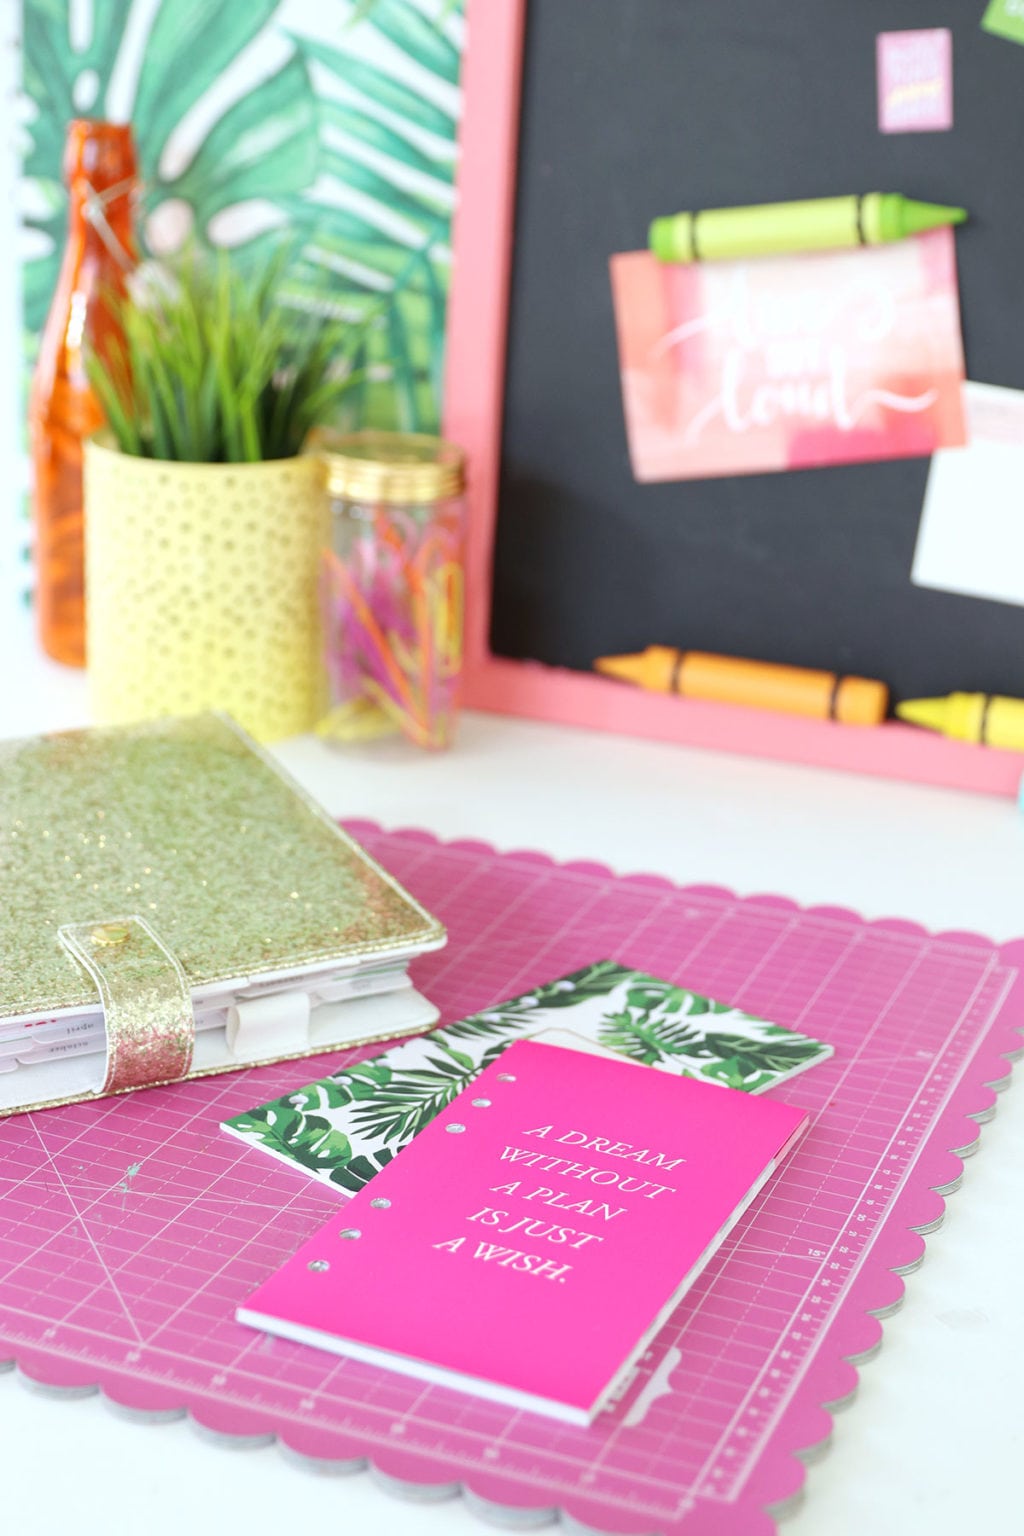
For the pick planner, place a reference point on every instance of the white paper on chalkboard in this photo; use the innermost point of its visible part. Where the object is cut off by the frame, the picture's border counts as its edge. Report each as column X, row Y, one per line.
column 971, row 538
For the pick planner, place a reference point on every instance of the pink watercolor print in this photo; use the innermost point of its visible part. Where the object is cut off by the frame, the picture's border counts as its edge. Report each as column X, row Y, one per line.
column 837, row 357
column 915, row 81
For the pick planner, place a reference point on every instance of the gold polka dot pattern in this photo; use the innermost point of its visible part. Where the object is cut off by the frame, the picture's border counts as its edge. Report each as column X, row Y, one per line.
column 201, row 589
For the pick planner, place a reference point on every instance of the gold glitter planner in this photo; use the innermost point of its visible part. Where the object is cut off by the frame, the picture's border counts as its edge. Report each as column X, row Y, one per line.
column 160, row 875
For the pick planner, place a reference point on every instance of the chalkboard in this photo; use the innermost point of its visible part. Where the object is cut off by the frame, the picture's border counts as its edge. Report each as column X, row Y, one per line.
column 633, row 108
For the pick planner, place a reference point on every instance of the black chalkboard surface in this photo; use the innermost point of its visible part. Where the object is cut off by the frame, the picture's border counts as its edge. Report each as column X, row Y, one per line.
column 633, row 108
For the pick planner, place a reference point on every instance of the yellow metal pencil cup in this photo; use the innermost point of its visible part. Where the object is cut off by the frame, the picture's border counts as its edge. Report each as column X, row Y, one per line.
column 201, row 589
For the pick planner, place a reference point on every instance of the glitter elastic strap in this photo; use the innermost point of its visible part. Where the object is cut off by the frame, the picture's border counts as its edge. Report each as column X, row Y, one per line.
column 146, row 1001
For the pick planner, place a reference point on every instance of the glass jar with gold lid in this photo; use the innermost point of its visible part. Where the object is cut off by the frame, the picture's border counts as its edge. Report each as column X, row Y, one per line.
column 393, row 583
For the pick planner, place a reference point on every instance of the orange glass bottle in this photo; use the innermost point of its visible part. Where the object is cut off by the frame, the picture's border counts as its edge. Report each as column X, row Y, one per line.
column 100, row 171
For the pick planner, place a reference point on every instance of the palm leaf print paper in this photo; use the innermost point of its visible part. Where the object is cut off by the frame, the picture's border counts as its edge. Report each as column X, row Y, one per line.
column 329, row 127
column 344, row 1128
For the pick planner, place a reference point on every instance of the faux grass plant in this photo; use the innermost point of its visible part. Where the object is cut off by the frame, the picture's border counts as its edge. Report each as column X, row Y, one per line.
column 215, row 369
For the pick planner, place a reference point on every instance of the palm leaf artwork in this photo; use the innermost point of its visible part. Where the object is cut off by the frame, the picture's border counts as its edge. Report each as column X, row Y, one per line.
column 386, row 1105
column 390, row 1105
column 412, row 1098
column 311, row 1142
column 274, row 1125
column 741, row 1062
column 348, row 1086
column 379, row 218
column 650, row 993
column 264, row 143
column 654, row 1023
column 642, row 1037
column 657, row 1026
column 377, row 1106
column 337, row 122
column 592, row 981
column 292, row 1128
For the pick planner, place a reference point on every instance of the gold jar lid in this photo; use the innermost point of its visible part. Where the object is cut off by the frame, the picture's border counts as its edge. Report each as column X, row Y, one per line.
column 393, row 467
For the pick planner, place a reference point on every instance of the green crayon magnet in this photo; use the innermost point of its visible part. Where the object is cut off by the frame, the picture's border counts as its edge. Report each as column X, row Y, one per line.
column 774, row 229
column 1005, row 18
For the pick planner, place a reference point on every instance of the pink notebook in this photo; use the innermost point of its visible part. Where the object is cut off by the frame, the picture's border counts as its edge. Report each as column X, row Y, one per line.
column 530, row 1242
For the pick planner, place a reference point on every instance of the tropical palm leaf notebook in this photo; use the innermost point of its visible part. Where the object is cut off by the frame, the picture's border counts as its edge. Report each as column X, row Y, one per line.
column 344, row 1128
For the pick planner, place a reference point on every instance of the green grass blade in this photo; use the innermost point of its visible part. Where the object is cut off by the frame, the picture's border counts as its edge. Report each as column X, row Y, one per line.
column 216, row 366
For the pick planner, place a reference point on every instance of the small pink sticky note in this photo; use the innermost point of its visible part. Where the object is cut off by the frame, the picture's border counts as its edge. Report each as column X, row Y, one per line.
column 915, row 81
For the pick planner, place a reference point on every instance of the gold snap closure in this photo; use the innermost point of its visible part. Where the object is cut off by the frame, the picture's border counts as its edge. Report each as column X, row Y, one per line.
column 105, row 935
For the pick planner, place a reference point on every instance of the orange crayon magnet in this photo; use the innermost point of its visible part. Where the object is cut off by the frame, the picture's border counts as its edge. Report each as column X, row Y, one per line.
column 755, row 684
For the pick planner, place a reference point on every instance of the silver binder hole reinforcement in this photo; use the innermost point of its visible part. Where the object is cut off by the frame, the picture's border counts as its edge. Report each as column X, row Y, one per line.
column 481, row 1103
column 381, row 1203
column 454, row 1128
column 318, row 1266
column 350, row 1233
column 506, row 1077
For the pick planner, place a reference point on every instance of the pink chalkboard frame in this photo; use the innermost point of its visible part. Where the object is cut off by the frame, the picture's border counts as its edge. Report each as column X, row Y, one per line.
column 474, row 386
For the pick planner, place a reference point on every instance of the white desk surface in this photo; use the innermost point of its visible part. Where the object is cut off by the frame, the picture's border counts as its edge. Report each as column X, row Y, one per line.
column 933, row 1441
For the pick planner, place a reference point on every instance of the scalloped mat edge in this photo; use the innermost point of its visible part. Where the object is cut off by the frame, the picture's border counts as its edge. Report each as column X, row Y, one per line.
column 831, row 1381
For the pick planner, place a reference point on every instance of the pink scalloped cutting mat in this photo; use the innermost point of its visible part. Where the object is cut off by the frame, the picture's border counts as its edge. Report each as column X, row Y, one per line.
column 130, row 1229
